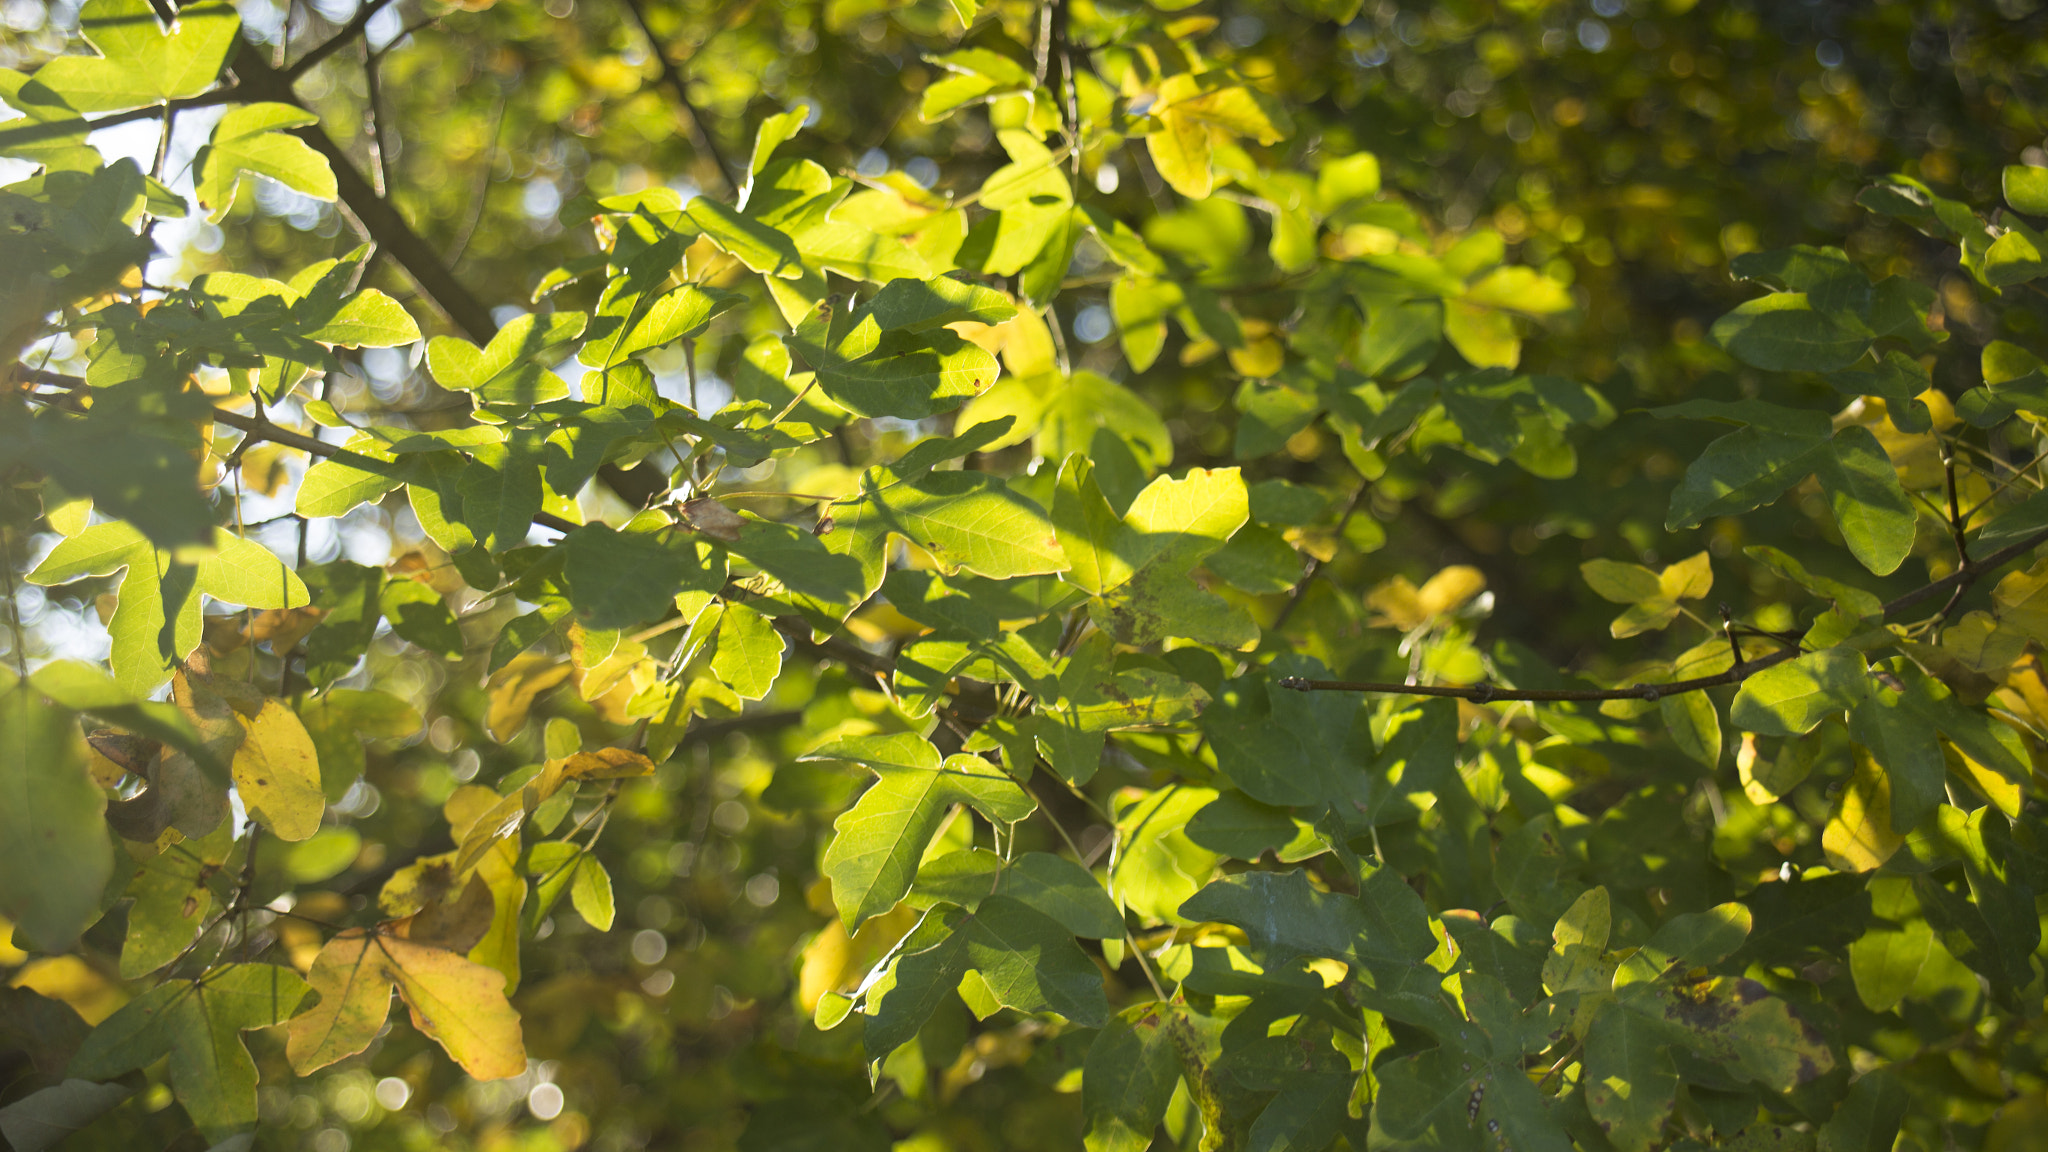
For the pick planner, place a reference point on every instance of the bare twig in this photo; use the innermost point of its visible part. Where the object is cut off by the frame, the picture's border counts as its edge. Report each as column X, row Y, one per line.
column 1955, row 583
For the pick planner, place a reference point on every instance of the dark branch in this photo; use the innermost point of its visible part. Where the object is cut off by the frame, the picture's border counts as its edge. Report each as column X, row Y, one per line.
column 389, row 229
column 335, row 43
column 700, row 133
column 18, row 132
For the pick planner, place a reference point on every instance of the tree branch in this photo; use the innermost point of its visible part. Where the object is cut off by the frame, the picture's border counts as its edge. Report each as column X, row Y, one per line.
column 1955, row 582
column 258, row 428
column 18, row 132
column 700, row 134
column 335, row 43
column 393, row 235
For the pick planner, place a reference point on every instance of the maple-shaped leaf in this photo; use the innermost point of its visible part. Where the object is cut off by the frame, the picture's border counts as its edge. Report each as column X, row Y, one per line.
column 157, row 619
column 878, row 842
column 457, row 1002
column 1140, row 567
column 197, row 1023
column 1094, row 699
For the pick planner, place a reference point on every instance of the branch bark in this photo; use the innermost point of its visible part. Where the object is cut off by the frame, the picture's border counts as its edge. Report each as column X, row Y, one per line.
column 700, row 135
column 257, row 80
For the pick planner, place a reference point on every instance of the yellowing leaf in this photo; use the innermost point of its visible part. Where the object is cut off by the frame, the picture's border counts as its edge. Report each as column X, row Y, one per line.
column 513, row 688
column 277, row 773
column 1400, row 604
column 1859, row 835
column 457, row 1002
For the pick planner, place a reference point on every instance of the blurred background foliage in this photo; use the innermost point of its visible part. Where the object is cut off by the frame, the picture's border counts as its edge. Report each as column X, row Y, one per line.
column 1629, row 148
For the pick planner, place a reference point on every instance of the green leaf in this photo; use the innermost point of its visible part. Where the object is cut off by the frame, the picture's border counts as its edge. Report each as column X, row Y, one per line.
column 591, row 893
column 1902, row 739
column 1694, row 725
column 172, row 898
column 55, row 858
column 1874, row 513
column 132, row 454
column 966, row 521
column 1147, row 592
column 198, row 1024
column 1742, row 471
column 749, row 654
column 1289, row 748
column 140, row 62
column 899, row 373
column 366, row 319
column 45, row 1118
column 876, row 845
column 1737, row 1023
column 248, row 141
column 1630, row 1081
column 647, row 320
column 1156, row 867
column 1868, row 1119
column 84, row 688
column 1311, row 1109
column 1054, row 885
column 1092, row 700
column 626, row 579
column 774, row 132
column 157, row 620
column 1789, row 699
column 504, row 373
column 1855, row 601
column 1129, row 1079
column 1285, row 918
column 502, row 491
column 2026, row 188
column 1783, row 332
column 1830, row 280
column 1887, row 959
column 335, row 486
column 418, row 614
column 1025, row 960
column 751, row 242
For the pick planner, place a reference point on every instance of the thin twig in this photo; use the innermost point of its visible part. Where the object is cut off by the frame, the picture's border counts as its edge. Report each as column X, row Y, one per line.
column 335, row 43
column 479, row 195
column 265, row 430
column 700, row 133
column 1956, row 582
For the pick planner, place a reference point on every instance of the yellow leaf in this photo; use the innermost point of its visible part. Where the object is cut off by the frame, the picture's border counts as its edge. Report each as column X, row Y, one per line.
column 465, row 805
column 504, row 817
column 459, row 1003
column 1396, row 605
column 608, row 764
column 1448, row 590
column 513, row 688
column 1180, row 149
column 1981, row 645
column 70, row 979
column 499, row 947
column 1484, row 337
column 1859, row 834
column 278, row 773
column 2021, row 605
column 1993, row 786
column 1689, row 579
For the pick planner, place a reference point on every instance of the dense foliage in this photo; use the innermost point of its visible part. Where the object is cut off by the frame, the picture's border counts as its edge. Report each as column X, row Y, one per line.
column 1225, row 575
